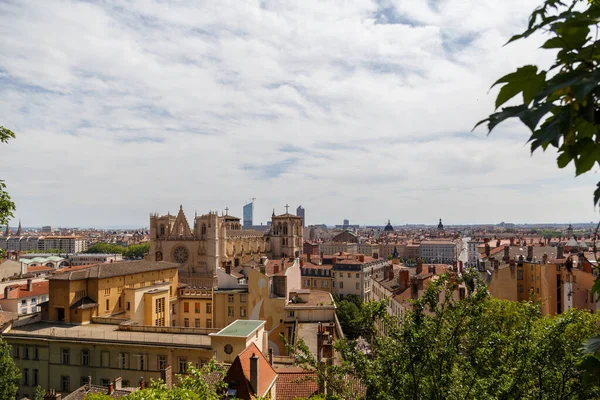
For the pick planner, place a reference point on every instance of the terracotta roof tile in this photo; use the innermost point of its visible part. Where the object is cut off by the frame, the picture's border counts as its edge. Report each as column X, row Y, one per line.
column 238, row 374
column 293, row 383
column 21, row 292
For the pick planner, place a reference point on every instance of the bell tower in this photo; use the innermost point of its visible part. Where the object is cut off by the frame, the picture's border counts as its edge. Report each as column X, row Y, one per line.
column 286, row 235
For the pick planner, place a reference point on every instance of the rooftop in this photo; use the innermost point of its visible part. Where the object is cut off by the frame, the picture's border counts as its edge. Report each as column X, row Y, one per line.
column 240, row 328
column 114, row 269
column 21, row 292
column 106, row 333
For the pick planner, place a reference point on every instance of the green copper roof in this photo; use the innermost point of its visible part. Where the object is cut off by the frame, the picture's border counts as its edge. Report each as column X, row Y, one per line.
column 241, row 328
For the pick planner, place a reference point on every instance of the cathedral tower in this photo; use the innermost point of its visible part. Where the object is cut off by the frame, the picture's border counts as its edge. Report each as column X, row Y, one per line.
column 286, row 236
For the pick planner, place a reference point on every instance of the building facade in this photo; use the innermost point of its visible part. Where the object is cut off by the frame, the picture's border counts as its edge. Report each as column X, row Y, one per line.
column 248, row 214
column 438, row 251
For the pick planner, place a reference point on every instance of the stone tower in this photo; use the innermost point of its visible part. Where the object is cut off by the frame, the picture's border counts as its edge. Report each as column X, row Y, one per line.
column 286, row 235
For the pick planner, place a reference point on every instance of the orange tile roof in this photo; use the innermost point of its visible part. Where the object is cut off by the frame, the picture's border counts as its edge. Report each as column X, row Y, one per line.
column 296, row 383
column 21, row 292
column 239, row 373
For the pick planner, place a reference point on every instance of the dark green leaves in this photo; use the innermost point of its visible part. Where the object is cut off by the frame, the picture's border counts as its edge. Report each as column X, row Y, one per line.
column 566, row 99
column 525, row 80
column 6, row 134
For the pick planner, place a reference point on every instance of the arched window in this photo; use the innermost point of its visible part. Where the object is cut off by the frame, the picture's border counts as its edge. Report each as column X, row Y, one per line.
column 181, row 228
column 162, row 230
column 203, row 230
column 285, row 228
column 279, row 228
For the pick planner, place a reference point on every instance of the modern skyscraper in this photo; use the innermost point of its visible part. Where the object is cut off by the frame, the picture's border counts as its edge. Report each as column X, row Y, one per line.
column 300, row 213
column 247, row 214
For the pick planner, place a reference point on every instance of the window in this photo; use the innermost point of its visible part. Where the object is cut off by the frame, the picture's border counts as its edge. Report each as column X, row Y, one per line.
column 197, row 322
column 357, row 285
column 83, row 381
column 15, row 351
column 36, row 377
column 208, row 308
column 558, row 268
column 141, row 361
column 65, row 356
column 85, row 357
column 358, row 275
column 242, row 298
column 520, row 274
column 119, row 302
column 107, row 304
column 197, row 308
column 160, row 305
column 182, row 365
column 314, row 283
column 186, row 322
column 162, row 362
column 65, row 385
column 36, row 353
column 124, row 360
column 349, row 275
column 104, row 382
column 186, row 307
column 209, row 323
column 333, row 274
column 230, row 298
column 291, row 314
column 173, row 309
column 26, row 353
column 341, row 285
column 107, row 292
column 242, row 311
column 333, row 284
column 230, row 311
column 128, row 306
column 26, row 376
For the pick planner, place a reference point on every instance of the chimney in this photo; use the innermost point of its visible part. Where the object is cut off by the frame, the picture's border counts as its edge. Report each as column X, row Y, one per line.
column 6, row 292
column 275, row 268
column 391, row 273
column 403, row 279
column 419, row 266
column 118, row 384
column 361, row 258
column 89, row 382
column 254, row 374
column 166, row 375
column 559, row 251
column 487, row 250
column 29, row 285
column 431, row 269
column 270, row 356
column 228, row 267
column 529, row 253
column 301, row 262
column 498, row 243
column 111, row 389
column 142, row 384
column 506, row 254
column 545, row 259
column 52, row 395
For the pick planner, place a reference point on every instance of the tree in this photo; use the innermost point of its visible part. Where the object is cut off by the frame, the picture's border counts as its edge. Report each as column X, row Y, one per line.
column 7, row 207
column 136, row 250
column 105, row 248
column 561, row 106
column 192, row 386
column 39, row 393
column 475, row 348
column 9, row 373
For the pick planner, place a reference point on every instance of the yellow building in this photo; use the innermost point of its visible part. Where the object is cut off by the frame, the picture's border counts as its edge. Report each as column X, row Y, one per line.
column 316, row 274
column 140, row 291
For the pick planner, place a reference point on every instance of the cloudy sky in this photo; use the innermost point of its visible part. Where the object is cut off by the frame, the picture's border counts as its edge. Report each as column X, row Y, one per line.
column 357, row 109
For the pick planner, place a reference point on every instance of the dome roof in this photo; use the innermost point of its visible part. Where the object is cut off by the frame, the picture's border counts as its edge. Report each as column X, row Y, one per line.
column 388, row 227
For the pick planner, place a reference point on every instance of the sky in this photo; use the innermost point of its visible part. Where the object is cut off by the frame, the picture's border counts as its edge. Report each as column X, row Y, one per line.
column 356, row 109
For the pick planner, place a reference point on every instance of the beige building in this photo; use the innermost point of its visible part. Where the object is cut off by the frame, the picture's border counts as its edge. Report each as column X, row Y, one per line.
column 352, row 274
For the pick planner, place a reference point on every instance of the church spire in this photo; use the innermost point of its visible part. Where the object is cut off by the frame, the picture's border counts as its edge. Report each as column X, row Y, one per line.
column 7, row 231
column 273, row 213
column 19, row 230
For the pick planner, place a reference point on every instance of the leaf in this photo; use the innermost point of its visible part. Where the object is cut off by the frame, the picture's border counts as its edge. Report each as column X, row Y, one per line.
column 572, row 35
column 597, row 197
column 553, row 43
column 532, row 116
column 498, row 117
column 592, row 345
column 550, row 131
column 564, row 159
column 588, row 155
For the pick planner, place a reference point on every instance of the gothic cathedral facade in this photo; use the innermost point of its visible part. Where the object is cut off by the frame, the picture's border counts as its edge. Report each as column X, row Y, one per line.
column 215, row 240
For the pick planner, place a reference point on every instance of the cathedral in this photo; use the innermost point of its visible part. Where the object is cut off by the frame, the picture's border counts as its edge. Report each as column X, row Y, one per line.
column 219, row 240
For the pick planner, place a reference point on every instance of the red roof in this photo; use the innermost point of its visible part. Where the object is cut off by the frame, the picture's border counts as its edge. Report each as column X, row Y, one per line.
column 239, row 374
column 296, row 383
column 21, row 292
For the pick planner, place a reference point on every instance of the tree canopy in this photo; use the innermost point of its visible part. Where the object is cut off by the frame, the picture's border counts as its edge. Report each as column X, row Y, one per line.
column 132, row 251
column 561, row 105
column 10, row 376
column 7, row 207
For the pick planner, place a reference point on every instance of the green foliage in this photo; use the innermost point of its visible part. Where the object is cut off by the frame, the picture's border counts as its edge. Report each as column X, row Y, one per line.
column 9, row 375
column 192, row 386
column 560, row 106
column 357, row 318
column 39, row 393
column 133, row 251
column 475, row 348
column 7, row 206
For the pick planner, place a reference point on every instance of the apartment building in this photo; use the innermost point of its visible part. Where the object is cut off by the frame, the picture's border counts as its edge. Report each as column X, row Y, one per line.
column 316, row 273
column 24, row 299
column 68, row 244
column 438, row 251
column 352, row 274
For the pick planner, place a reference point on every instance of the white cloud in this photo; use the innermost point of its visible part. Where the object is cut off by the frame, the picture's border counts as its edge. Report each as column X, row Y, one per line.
column 125, row 108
